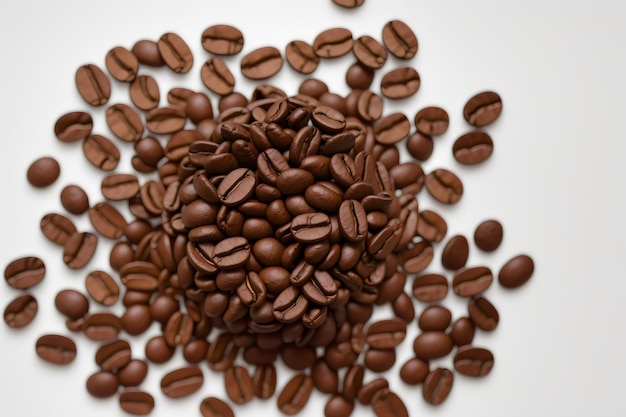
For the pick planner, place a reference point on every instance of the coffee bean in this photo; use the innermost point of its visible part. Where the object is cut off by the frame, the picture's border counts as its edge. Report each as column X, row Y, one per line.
column 56, row 349
column 158, row 351
column 138, row 403
column 388, row 404
column 118, row 187
column 483, row 108
column 462, row 331
column 238, row 385
column 420, row 146
column 372, row 389
column 414, row 371
column 418, row 257
column 147, row 53
column 175, row 52
column 165, row 120
column 328, row 119
column 144, row 92
column 101, row 152
column 349, row 4
column 93, row 85
column 102, row 384
column 222, row 40
column 21, row 311
column 386, row 334
column 435, row 318
column 432, row 345
column 295, row 394
column 400, row 39
column 140, row 276
column 133, row 374
column 71, row 303
column 391, row 128
column 473, row 361
column 359, row 77
column 437, row 386
column 380, row 360
column 74, row 126
column 432, row 121
column 107, row 220
column 102, row 326
column 136, row 319
column 337, row 405
column 516, row 272
column 264, row 381
column 217, row 77
column 431, row 226
column 182, row 382
column 444, row 186
column 290, row 305
column 325, row 379
column 369, row 52
column 353, row 220
column 400, row 83
column 261, row 63
column 113, row 355
column 102, row 288
column 483, row 314
column 310, row 227
column 74, row 199
column 222, row 352
column 178, row 329
column 301, row 57
column 403, row 307
column 24, row 273
column 472, row 281
column 369, row 106
column 122, row 64
column 455, row 253
column 333, row 43
column 198, row 108
column 237, row 187
column 472, row 148
column 231, row 253
column 488, row 235
column 43, row 172
column 352, row 382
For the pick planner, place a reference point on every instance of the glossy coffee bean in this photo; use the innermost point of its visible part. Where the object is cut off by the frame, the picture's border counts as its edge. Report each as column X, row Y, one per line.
column 24, row 273
column 102, row 288
column 369, row 52
column 238, row 385
column 301, row 57
column 516, row 272
column 473, row 361
column 101, row 152
column 455, row 253
column 400, row 83
column 74, row 199
column 136, row 319
column 71, row 304
column 182, row 382
column 472, row 148
column 359, row 77
column 261, row 63
column 73, row 126
column 333, row 43
column 57, row 228
column 214, row 407
column 107, row 220
column 79, row 249
column 386, row 334
column 133, row 373
column 147, row 53
column 432, row 121
column 102, row 326
column 56, row 349
column 349, row 4
column 437, row 386
column 135, row 402
column 113, row 356
column 444, row 186
column 93, row 85
column 435, row 318
column 295, row 394
column 122, row 64
column 338, row 406
column 118, row 187
column 43, row 172
column 102, row 384
column 158, row 351
column 264, row 381
column 472, row 281
column 420, row 146
column 222, row 40
column 310, row 227
column 145, row 93
column 488, row 235
column 380, row 360
column 432, row 345
column 217, row 77
column 175, row 52
column 483, row 108
column 399, row 39
column 372, row 390
column 462, row 332
column 389, row 404
column 431, row 226
column 20, row 311
column 414, row 371
column 483, row 314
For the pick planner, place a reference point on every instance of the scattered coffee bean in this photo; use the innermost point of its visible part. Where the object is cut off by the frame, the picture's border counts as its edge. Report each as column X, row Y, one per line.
column 175, row 52
column 414, row 371
column 472, row 148
column 435, row 318
column 24, row 273
column 74, row 126
column 107, row 220
column 369, row 52
column 400, row 83
column 420, row 146
column 349, row 4
column 483, row 314
column 472, row 281
column 102, row 288
column 182, row 382
column 214, row 407
column 359, row 77
column 301, row 57
column 21, row 311
column 74, row 199
column 444, row 186
column 222, row 40
column 133, row 373
column 138, row 403
column 388, row 404
column 333, row 43
column 144, row 92
column 122, row 64
column 72, row 304
column 400, row 39
column 338, row 406
column 57, row 228
column 432, row 345
column 516, row 272
column 101, row 152
column 102, row 326
column 432, row 121
column 238, row 384
column 488, row 235
column 102, row 384
column 43, row 172
column 295, row 394
column 483, row 109
column 437, row 386
column 473, row 361
column 147, row 53
column 56, row 349
column 261, row 63
column 455, row 253
column 93, row 85
column 113, row 356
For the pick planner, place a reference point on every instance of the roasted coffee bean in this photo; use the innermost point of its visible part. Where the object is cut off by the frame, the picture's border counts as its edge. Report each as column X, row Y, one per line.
column 388, row 404
column 261, row 63
column 102, row 384
column 295, row 394
column 391, row 129
column 472, row 281
column 178, row 329
column 136, row 319
column 72, row 304
column 43, row 172
column 74, row 126
column 488, row 235
column 107, row 220
column 325, row 196
column 198, row 108
column 102, row 288
column 158, row 351
column 320, row 288
column 124, row 122
column 145, row 93
column 182, row 382
column 307, row 142
column 516, row 272
column 455, row 253
column 122, row 64
column 222, row 40
column 270, row 165
column 24, row 273
column 414, row 371
column 264, row 381
column 408, row 176
column 138, row 403
column 435, row 318
column 371, row 389
column 313, row 88
column 483, row 314
column 353, row 221
column 113, row 356
column 310, row 227
column 74, row 199
column 222, row 352
column 400, row 39
column 352, row 382
column 102, row 326
column 333, row 43
column 57, row 228
column 432, row 121
column 301, row 57
column 369, row 106
column 418, row 257
column 231, row 253
column 238, row 385
column 56, row 349
column 420, row 146
column 400, row 83
column 93, row 85
column 214, row 407
column 380, row 360
column 337, row 405
column 165, row 120
column 349, row 4
column 472, row 148
column 369, row 52
column 175, row 52
column 437, row 386
column 149, row 150
column 119, row 187
column 462, row 331
column 147, row 53
column 473, row 361
column 217, row 77
column 344, row 170
column 483, row 108
column 79, row 249
column 386, row 334
column 403, row 307
column 101, row 152
column 21, row 311
column 140, row 276
column 325, row 379
column 237, row 187
column 328, row 119
column 432, row 345
column 444, row 186
column 359, row 77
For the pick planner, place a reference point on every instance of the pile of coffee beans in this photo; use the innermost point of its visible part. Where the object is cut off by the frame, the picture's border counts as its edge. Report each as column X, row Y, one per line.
column 271, row 228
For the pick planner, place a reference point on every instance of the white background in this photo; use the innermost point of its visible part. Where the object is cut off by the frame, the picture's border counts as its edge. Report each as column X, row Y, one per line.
column 556, row 180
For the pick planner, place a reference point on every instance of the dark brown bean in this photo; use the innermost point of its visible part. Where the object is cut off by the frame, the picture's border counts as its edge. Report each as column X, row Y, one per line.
column 437, row 386
column 102, row 326
column 57, row 228
column 310, row 227
column 290, row 305
column 124, row 122
column 473, row 361
column 338, row 405
column 43, row 172
column 238, row 385
column 488, row 235
column 333, row 43
column 79, row 249
column 301, row 57
column 432, row 345
column 432, row 121
column 158, row 351
column 472, row 281
column 414, row 371
column 371, row 389
column 138, row 403
column 74, row 126
column 483, row 108
column 261, row 63
column 122, row 64
column 386, row 334
column 102, row 384
column 237, row 187
column 400, row 39
column 102, row 288
column 472, row 148
column 380, row 360
column 182, row 382
column 93, row 85
column 113, row 356
column 483, row 314
column 101, row 152
column 349, row 4
column 21, row 311
column 56, row 349
column 420, row 146
column 107, row 220
column 295, row 394
column 444, row 186
column 455, row 253
column 222, row 40
column 328, row 119
column 165, row 120
column 147, row 53
column 400, row 83
column 264, row 381
column 24, row 273
column 175, row 52
column 462, row 332
column 431, row 226
column 516, row 272
column 391, row 129
column 119, row 187
column 217, row 77
column 369, row 52
column 388, row 404
column 214, row 407
column 74, row 199
column 145, row 93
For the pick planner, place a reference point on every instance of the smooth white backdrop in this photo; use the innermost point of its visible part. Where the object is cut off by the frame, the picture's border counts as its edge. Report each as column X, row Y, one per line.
column 556, row 181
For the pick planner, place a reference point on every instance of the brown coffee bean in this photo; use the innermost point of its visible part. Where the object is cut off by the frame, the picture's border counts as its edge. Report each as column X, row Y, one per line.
column 182, row 382
column 56, row 349
column 432, row 121
column 473, row 361
column 472, row 148
column 420, row 146
column 400, row 83
column 175, row 52
column 333, row 43
column 462, row 331
column 102, row 288
column 124, row 121
column 102, row 384
column 252, row 290
column 101, row 152
column 353, row 221
column 369, row 106
column 372, row 389
column 432, row 345
column 483, row 108
column 144, row 92
column 158, row 351
column 388, row 404
column 238, row 385
column 119, row 187
column 301, row 57
column 483, row 314
column 444, row 186
column 369, row 52
column 222, row 352
column 214, row 407
column 488, row 235
column 403, row 307
column 57, row 228
column 122, row 64
column 136, row 319
column 24, row 273
column 74, row 126
column 431, row 226
column 391, row 129
column 113, row 356
column 386, row 334
column 516, row 272
column 195, row 351
column 107, row 220
column 418, row 257
column 472, row 281
column 261, row 63
column 380, row 360
column 435, row 318
column 455, row 253
column 337, row 405
column 21, row 311
column 147, row 53
column 93, row 85
column 237, row 187
column 138, row 403
column 231, row 253
column 198, row 108
column 222, row 40
column 295, row 394
column 43, row 172
column 102, row 326
column 178, row 329
column 324, row 195
column 414, row 371
column 328, row 119
column 165, row 120
column 400, row 39
column 437, row 386
column 140, row 276
column 349, row 4
column 264, row 381
column 217, row 77
column 79, row 249
column 72, row 304
column 74, row 199
column 310, row 227
column 352, row 382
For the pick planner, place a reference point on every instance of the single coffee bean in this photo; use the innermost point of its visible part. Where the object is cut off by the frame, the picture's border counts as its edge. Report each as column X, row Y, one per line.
column 388, row 404
column 107, row 220
column 232, row 100
column 488, row 235
column 158, row 351
column 74, row 199
column 400, row 39
column 182, row 382
column 414, row 371
column 472, row 148
column 93, row 85
column 72, row 304
column 238, row 385
column 386, row 334
column 102, row 288
column 473, row 361
column 214, row 407
column 133, row 373
column 328, row 119
column 237, row 187
column 175, row 52
column 147, row 53
column 290, row 305
column 21, row 311
column 264, row 381
column 217, row 77
column 455, row 253
column 462, row 331
column 295, row 394
column 337, row 405
column 349, row 4
column 195, row 351
column 118, row 187
column 372, row 389
column 380, row 360
column 140, row 276
column 138, row 403
column 516, row 272
column 102, row 326
column 102, row 384
column 124, row 122
column 24, row 273
column 333, row 43
column 222, row 352
column 198, row 108
column 400, row 83
column 56, row 349
column 261, row 63
column 432, row 121
column 432, row 345
column 144, row 92
column 369, row 52
column 101, row 152
column 420, row 146
column 57, row 228
column 403, row 307
column 472, row 281
column 435, row 318
column 444, row 186
column 136, row 319
column 74, row 126
column 483, row 108
column 113, row 356
column 301, row 57
column 369, row 106
column 353, row 221
column 310, row 227
column 431, row 226
column 178, row 329
column 418, row 257
column 359, row 77
column 43, row 172
column 231, row 253
column 483, row 314
column 437, row 386
column 122, row 64
column 165, row 120
column 391, row 129
column 222, row 40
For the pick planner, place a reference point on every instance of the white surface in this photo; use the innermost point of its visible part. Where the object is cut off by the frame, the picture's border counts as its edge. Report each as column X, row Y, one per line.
column 556, row 181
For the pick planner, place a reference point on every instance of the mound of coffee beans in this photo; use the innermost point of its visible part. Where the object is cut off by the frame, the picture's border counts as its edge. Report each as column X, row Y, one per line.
column 268, row 228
